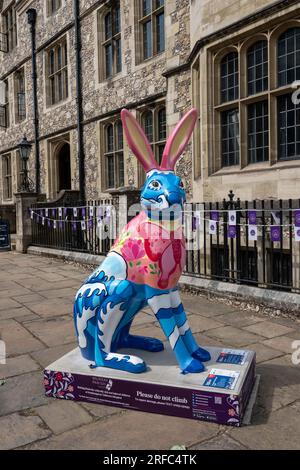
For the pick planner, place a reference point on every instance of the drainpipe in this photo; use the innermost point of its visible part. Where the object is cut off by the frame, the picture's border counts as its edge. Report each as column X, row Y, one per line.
column 31, row 18
column 78, row 75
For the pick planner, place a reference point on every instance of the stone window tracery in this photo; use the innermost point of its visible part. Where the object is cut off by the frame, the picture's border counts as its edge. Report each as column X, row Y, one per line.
column 110, row 49
column 113, row 154
column 57, row 72
column 256, row 119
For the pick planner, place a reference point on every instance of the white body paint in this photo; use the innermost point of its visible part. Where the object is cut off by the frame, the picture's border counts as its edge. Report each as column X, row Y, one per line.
column 92, row 287
column 160, row 301
column 81, row 323
column 184, row 328
column 119, row 357
column 173, row 338
column 110, row 322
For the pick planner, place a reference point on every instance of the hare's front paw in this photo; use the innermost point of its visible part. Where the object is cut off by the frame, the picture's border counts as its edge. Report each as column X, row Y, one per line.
column 194, row 367
column 201, row 355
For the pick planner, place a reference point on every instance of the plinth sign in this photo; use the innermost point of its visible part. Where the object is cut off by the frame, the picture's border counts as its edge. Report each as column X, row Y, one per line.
column 142, row 269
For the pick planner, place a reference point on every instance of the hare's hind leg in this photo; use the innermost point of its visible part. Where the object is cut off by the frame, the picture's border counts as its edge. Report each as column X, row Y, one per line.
column 162, row 308
column 112, row 314
column 185, row 331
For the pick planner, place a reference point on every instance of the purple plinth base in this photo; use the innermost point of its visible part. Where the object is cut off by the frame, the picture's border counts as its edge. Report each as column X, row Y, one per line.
column 162, row 389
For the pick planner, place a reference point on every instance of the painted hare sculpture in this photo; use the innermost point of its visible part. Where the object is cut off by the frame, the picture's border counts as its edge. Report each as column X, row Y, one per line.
column 142, row 268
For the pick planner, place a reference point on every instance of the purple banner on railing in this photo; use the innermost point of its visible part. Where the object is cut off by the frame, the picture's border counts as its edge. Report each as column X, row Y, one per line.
column 297, row 218
column 214, row 215
column 275, row 233
column 252, row 217
column 231, row 231
column 297, row 233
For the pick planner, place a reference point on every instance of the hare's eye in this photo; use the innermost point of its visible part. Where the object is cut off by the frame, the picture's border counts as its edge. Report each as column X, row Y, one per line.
column 154, row 185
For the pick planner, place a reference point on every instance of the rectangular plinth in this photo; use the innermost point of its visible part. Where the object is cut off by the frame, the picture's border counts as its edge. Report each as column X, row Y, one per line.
column 161, row 389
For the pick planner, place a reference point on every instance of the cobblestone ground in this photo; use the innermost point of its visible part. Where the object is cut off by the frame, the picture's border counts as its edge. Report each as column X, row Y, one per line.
column 36, row 297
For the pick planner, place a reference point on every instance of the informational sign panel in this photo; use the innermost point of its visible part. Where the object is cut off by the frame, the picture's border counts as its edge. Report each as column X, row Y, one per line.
column 4, row 235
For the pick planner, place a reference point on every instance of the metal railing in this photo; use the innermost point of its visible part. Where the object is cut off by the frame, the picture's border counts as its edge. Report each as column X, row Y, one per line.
column 58, row 227
column 263, row 262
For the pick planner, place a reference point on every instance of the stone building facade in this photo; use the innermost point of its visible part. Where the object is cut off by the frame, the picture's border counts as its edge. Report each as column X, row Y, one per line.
column 158, row 59
column 138, row 84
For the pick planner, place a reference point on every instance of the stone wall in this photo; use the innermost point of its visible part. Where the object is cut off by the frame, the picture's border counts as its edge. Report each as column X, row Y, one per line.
column 135, row 83
column 186, row 21
column 266, row 180
column 208, row 16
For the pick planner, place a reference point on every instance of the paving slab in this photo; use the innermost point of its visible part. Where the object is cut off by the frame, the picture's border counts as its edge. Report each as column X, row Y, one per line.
column 63, row 415
column 50, row 277
column 7, row 303
column 280, row 432
column 143, row 318
column 269, row 329
column 19, row 312
column 5, row 285
column 18, row 430
column 143, row 431
column 235, row 336
column 281, row 343
column 22, row 392
column 279, row 384
column 199, row 323
column 56, row 307
column 53, row 331
column 44, row 357
column 41, row 331
column 18, row 365
column 58, row 293
column 239, row 319
column 15, row 292
column 264, row 353
column 204, row 307
column 18, row 339
column 28, row 299
column 101, row 411
column 151, row 331
column 221, row 442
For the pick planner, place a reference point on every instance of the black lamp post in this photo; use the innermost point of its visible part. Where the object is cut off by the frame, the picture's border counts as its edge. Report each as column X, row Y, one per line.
column 24, row 152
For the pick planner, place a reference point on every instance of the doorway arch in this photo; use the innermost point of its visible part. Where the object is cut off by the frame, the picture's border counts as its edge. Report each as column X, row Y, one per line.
column 64, row 166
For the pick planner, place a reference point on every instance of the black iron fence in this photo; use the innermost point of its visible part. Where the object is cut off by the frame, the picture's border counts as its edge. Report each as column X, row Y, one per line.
column 269, row 259
column 88, row 229
column 263, row 260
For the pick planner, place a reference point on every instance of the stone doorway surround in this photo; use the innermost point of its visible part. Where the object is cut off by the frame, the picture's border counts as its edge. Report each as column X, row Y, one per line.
column 55, row 148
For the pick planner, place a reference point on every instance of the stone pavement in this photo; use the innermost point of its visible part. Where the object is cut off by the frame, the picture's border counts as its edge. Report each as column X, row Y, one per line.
column 36, row 297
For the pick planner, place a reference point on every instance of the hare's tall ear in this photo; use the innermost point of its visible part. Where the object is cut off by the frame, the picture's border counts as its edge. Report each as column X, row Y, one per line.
column 178, row 140
column 137, row 141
